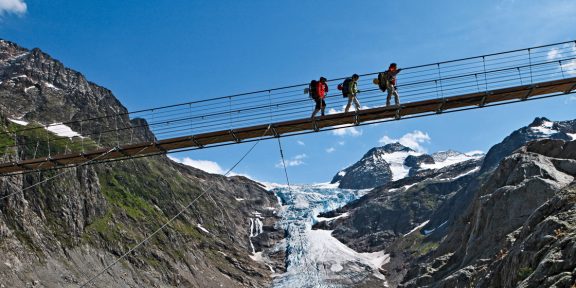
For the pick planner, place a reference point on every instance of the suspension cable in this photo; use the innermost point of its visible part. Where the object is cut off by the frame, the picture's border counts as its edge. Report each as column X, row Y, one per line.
column 174, row 217
column 284, row 165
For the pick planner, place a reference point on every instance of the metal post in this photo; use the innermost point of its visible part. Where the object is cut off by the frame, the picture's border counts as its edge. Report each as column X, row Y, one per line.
column 485, row 76
column 49, row 152
column 561, row 69
column 530, row 65
column 82, row 136
column 190, row 115
column 230, row 111
column 440, row 79
column 520, row 75
column 36, row 149
column 116, row 127
column 477, row 84
column 16, row 145
column 270, row 107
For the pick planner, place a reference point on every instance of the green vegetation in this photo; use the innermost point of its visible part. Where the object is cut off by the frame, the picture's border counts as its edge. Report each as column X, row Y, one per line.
column 34, row 141
column 524, row 272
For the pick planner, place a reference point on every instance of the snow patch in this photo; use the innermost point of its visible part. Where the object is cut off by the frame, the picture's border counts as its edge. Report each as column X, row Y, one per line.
column 573, row 135
column 405, row 187
column 324, row 248
column 417, row 228
column 342, row 173
column 239, row 199
column 545, row 129
column 396, row 162
column 343, row 215
column 49, row 85
column 28, row 88
column 451, row 160
column 202, row 228
column 427, row 232
column 19, row 122
column 62, row 130
column 462, row 175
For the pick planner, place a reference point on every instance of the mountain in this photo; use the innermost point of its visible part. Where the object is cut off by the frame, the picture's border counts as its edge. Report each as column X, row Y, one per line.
column 456, row 225
column 539, row 128
column 62, row 232
column 377, row 167
column 392, row 162
column 519, row 229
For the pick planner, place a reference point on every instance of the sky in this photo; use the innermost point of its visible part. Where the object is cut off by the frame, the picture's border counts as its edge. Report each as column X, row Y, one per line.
column 156, row 53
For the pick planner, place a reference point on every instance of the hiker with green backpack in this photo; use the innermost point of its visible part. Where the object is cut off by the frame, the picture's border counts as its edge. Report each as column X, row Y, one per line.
column 350, row 90
column 387, row 83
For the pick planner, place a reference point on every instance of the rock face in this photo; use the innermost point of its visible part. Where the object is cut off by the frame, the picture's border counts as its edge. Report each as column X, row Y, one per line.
column 538, row 129
column 394, row 209
column 519, row 229
column 62, row 232
column 425, row 219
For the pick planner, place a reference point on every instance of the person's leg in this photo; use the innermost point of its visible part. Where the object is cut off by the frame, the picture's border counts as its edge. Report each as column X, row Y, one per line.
column 389, row 96
column 356, row 104
column 316, row 108
column 396, row 97
column 349, row 102
column 323, row 107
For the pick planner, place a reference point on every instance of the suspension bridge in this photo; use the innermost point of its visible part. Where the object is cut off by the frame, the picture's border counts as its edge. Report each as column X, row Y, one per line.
column 450, row 86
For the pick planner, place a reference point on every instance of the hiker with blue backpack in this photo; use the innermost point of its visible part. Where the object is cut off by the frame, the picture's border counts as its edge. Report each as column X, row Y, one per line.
column 387, row 83
column 350, row 90
column 317, row 91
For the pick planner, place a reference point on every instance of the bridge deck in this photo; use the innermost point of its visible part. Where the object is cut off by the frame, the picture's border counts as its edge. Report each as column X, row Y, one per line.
column 294, row 126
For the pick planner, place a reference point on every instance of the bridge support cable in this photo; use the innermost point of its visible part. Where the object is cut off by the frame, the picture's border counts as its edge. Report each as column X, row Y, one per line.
column 285, row 170
column 207, row 190
column 458, row 82
column 55, row 176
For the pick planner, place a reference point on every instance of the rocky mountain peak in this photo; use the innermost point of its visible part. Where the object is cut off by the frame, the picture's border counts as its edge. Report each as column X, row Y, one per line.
column 540, row 128
column 539, row 121
column 395, row 147
column 441, row 156
column 35, row 87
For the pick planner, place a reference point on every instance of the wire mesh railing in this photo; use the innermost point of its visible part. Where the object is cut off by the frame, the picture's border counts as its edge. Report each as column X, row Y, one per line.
column 424, row 82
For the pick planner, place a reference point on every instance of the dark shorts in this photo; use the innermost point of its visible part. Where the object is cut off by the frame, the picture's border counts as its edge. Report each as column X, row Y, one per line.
column 318, row 102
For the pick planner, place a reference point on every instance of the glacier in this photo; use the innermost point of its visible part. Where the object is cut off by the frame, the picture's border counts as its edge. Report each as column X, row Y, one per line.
column 314, row 258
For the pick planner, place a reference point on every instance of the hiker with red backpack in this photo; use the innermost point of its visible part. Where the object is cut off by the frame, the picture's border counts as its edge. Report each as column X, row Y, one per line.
column 387, row 83
column 350, row 90
column 317, row 91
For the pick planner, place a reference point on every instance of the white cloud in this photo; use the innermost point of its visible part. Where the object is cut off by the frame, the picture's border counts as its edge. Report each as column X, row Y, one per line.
column 295, row 161
column 412, row 140
column 204, row 165
column 341, row 143
column 330, row 150
column 570, row 67
column 347, row 131
column 300, row 143
column 12, row 6
column 553, row 54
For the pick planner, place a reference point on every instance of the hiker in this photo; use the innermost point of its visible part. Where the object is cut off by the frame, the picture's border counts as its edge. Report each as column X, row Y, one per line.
column 318, row 90
column 350, row 89
column 387, row 82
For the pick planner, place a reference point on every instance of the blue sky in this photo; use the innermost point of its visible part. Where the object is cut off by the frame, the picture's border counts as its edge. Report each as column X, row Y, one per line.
column 154, row 53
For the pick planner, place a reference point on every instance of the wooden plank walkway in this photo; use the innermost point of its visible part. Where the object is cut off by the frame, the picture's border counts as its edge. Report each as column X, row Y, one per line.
column 295, row 126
